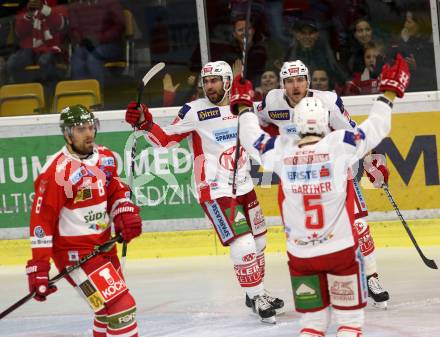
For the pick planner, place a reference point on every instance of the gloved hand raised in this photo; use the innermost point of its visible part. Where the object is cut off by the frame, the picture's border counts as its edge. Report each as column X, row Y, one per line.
column 127, row 221
column 38, row 279
column 395, row 78
column 241, row 94
column 376, row 171
column 138, row 116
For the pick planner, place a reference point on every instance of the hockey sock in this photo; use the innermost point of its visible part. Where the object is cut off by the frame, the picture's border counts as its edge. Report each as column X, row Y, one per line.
column 243, row 255
column 122, row 317
column 347, row 331
column 311, row 333
column 100, row 325
column 260, row 243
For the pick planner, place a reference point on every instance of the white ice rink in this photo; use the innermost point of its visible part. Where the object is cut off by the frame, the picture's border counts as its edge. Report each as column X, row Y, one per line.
column 199, row 296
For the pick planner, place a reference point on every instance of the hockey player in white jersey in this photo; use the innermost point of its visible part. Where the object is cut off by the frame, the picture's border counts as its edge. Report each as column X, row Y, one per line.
column 212, row 132
column 325, row 262
column 78, row 195
column 276, row 116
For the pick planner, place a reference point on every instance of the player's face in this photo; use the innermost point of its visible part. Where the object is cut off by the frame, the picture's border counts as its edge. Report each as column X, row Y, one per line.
column 363, row 32
column 213, row 86
column 82, row 140
column 296, row 88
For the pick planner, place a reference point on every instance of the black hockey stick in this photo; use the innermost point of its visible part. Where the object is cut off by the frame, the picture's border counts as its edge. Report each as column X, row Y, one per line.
column 429, row 263
column 100, row 249
column 243, row 77
column 148, row 76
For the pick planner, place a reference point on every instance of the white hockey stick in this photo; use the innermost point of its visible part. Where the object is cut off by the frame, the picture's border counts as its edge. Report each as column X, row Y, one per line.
column 148, row 76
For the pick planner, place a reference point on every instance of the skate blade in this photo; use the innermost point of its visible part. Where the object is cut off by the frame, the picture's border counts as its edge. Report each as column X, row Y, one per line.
column 380, row 305
column 268, row 320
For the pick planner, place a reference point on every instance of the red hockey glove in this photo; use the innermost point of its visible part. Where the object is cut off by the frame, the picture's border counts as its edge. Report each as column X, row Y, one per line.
column 241, row 94
column 38, row 279
column 139, row 116
column 127, row 221
column 395, row 78
column 377, row 173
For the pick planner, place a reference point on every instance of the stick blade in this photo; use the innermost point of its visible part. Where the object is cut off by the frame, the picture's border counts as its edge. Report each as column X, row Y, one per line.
column 152, row 72
column 430, row 263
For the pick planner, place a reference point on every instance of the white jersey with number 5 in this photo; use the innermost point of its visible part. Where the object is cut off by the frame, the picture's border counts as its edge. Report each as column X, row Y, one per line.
column 317, row 209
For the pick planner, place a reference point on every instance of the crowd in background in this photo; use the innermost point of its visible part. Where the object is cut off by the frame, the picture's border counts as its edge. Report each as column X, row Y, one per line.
column 344, row 43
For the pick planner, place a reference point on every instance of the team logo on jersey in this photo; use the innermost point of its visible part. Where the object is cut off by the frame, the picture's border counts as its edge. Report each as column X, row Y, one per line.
column 280, row 115
column 225, row 135
column 77, row 175
column 227, row 159
column 108, row 161
column 208, row 114
column 83, row 194
column 42, row 187
column 39, row 232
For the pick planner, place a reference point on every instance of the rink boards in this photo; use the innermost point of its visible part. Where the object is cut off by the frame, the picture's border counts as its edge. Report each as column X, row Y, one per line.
column 163, row 176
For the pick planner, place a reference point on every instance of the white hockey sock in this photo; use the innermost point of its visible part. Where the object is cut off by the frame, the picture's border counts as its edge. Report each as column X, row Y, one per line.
column 260, row 244
column 370, row 264
column 244, row 257
column 347, row 331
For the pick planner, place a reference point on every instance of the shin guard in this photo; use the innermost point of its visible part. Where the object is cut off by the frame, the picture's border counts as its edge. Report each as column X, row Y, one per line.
column 244, row 256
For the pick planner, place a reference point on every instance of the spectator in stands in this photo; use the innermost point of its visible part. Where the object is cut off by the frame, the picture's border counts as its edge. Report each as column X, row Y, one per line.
column 313, row 50
column 232, row 52
column 39, row 28
column 268, row 81
column 362, row 35
column 416, row 46
column 321, row 80
column 96, row 30
column 173, row 97
column 367, row 81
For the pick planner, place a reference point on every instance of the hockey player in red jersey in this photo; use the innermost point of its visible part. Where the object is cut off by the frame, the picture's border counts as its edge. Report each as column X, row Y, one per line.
column 78, row 195
column 325, row 262
column 212, row 133
column 276, row 117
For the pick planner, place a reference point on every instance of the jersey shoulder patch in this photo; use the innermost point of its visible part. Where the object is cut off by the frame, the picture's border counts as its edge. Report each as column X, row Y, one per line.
column 352, row 137
column 183, row 111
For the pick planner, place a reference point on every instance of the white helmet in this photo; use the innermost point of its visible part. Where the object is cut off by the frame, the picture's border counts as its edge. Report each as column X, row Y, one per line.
column 311, row 116
column 218, row 68
column 293, row 69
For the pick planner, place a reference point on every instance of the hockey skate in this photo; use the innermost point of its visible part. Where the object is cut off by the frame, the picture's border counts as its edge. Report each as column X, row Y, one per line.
column 261, row 306
column 276, row 303
column 376, row 292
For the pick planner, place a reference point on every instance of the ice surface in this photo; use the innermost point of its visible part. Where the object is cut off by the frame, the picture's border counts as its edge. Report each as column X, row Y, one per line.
column 200, row 296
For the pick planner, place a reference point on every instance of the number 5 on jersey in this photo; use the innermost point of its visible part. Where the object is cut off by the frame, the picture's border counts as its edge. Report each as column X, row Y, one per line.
column 314, row 211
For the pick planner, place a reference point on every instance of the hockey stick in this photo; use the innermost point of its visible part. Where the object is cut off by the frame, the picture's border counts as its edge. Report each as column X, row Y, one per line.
column 100, row 249
column 148, row 76
column 429, row 263
column 243, row 77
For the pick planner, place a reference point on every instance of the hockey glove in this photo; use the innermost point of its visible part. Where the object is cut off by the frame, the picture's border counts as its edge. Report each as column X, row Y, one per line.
column 38, row 279
column 241, row 94
column 127, row 221
column 139, row 116
column 377, row 172
column 395, row 78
